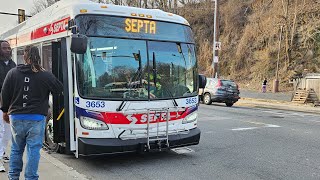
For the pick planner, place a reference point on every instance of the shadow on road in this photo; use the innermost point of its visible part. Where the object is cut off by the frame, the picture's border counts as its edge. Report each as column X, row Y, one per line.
column 121, row 160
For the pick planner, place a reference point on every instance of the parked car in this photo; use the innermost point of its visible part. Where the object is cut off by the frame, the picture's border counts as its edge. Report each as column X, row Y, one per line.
column 219, row 90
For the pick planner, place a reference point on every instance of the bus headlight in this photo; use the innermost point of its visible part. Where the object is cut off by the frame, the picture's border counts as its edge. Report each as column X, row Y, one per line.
column 92, row 124
column 190, row 118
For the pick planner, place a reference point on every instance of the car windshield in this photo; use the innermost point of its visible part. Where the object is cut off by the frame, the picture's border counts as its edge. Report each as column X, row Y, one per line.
column 115, row 68
column 228, row 83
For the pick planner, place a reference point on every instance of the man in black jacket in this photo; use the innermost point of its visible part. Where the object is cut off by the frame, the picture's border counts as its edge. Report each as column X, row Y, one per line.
column 5, row 133
column 25, row 95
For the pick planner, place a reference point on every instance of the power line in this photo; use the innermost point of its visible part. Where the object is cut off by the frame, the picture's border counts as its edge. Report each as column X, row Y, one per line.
column 13, row 14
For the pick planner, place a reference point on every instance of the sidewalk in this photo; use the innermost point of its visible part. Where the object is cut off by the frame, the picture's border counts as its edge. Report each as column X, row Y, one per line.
column 49, row 169
column 274, row 101
column 280, row 96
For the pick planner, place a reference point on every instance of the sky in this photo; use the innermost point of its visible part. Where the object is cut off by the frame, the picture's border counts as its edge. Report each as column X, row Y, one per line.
column 12, row 6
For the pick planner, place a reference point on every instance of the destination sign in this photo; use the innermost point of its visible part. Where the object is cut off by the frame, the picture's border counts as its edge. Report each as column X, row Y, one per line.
column 132, row 27
column 140, row 26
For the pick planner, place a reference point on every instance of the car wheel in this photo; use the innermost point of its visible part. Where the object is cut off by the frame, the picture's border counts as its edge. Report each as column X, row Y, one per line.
column 207, row 99
column 229, row 104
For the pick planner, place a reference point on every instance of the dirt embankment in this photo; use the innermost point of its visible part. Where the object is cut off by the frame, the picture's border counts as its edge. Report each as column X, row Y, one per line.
column 250, row 34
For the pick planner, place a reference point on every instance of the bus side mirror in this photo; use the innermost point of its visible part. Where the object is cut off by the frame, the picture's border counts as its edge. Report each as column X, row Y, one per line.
column 202, row 81
column 79, row 43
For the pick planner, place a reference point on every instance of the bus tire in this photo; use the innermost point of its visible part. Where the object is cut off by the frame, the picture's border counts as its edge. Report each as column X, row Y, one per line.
column 49, row 133
column 61, row 149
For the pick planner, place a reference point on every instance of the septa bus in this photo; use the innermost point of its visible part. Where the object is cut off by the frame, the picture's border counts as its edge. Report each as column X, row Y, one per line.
column 130, row 77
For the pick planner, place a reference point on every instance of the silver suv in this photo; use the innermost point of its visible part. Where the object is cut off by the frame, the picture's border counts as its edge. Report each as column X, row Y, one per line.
column 219, row 90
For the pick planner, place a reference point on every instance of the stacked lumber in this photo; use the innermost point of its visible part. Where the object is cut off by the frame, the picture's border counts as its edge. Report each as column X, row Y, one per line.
column 300, row 96
column 303, row 96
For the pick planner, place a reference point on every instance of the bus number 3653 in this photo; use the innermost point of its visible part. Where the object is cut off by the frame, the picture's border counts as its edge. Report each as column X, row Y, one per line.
column 192, row 100
column 95, row 104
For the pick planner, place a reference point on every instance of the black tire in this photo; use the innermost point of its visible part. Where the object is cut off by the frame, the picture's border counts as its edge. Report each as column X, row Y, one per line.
column 229, row 104
column 61, row 149
column 207, row 99
column 49, row 133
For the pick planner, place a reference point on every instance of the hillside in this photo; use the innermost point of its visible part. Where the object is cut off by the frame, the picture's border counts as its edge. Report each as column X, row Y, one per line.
column 250, row 30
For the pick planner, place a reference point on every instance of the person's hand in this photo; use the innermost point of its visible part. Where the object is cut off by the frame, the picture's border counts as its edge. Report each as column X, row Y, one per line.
column 5, row 117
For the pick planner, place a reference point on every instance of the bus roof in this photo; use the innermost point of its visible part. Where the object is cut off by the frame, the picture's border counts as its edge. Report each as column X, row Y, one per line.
column 53, row 19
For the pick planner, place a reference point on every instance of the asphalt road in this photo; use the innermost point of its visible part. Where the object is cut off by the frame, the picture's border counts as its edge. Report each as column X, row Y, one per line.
column 236, row 143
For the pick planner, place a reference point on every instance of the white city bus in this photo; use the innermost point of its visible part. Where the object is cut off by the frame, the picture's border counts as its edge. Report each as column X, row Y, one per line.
column 130, row 76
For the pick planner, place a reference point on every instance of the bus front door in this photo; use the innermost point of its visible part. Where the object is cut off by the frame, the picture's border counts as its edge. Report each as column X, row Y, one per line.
column 60, row 105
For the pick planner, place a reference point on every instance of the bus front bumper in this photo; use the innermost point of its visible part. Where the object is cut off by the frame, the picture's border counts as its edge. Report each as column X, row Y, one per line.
column 90, row 146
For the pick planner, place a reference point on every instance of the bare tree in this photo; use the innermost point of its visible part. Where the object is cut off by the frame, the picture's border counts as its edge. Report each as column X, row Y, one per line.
column 40, row 5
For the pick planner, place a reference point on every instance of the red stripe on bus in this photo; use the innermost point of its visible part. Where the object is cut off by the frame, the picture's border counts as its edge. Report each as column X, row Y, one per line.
column 119, row 118
column 50, row 29
column 47, row 30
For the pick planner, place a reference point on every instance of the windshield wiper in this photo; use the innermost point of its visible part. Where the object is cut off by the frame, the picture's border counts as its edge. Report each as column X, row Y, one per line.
column 185, row 62
column 122, row 105
column 172, row 98
column 154, row 70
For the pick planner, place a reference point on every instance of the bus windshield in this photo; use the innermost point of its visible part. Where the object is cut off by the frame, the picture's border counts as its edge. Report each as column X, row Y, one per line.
column 117, row 68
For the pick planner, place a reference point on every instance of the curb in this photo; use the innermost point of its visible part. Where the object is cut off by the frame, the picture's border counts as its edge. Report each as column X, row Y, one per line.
column 264, row 100
column 275, row 104
column 66, row 169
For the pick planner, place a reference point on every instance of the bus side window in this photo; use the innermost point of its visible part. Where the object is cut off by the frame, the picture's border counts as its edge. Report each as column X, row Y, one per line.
column 20, row 53
column 47, row 57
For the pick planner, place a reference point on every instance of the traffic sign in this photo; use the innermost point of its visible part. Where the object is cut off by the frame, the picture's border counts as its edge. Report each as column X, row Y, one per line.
column 216, row 59
column 217, row 46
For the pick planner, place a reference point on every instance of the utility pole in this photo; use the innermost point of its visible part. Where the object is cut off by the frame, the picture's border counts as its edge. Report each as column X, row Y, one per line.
column 215, row 58
column 276, row 81
column 13, row 14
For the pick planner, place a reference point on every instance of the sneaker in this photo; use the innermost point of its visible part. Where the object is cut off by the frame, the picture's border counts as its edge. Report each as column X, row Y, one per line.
column 6, row 159
column 2, row 169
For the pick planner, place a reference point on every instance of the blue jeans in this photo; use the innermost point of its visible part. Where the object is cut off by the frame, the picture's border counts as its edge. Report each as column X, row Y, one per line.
column 30, row 133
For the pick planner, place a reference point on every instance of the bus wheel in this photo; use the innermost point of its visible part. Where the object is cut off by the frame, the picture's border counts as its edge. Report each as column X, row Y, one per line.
column 61, row 149
column 49, row 133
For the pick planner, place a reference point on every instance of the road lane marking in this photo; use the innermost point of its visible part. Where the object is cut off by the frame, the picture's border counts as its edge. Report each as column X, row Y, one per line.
column 209, row 132
column 313, row 121
column 261, row 123
column 254, row 122
column 264, row 125
column 290, row 113
column 182, row 150
column 272, row 126
column 243, row 129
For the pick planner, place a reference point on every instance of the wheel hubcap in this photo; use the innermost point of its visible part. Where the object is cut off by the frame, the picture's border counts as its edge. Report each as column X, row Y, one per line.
column 206, row 99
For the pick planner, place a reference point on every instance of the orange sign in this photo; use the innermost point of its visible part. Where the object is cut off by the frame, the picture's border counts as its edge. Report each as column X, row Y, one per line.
column 140, row 26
